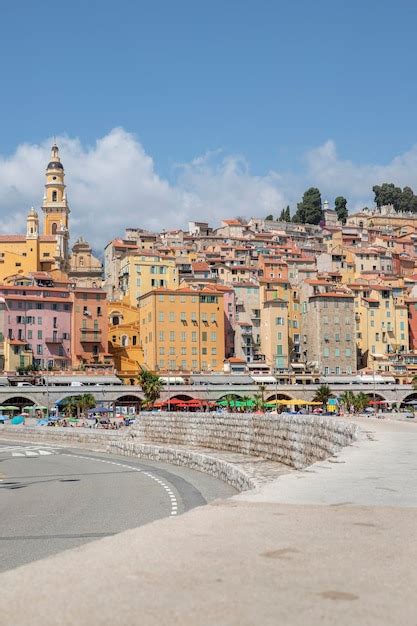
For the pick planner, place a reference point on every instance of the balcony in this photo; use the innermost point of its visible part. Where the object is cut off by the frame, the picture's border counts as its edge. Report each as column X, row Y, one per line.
column 90, row 335
column 55, row 339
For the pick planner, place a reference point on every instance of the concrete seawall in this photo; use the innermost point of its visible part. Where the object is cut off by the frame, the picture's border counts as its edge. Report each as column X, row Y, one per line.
column 294, row 440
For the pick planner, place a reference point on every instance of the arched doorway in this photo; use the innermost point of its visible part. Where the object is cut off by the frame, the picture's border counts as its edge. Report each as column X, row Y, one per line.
column 409, row 401
column 127, row 404
column 20, row 402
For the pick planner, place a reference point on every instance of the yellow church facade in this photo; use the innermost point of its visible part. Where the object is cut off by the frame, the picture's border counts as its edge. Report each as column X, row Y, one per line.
column 37, row 251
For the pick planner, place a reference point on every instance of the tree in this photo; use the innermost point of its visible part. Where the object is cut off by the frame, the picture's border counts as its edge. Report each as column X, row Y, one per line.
column 269, row 218
column 309, row 210
column 77, row 405
column 323, row 395
column 347, row 398
column 361, row 401
column 285, row 215
column 387, row 193
column 341, row 209
column 151, row 385
column 408, row 201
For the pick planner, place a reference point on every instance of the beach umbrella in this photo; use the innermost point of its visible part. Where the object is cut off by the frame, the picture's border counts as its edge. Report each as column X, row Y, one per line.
column 18, row 419
column 10, row 408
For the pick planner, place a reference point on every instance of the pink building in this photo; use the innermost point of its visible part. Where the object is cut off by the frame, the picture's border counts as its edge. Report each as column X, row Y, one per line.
column 41, row 318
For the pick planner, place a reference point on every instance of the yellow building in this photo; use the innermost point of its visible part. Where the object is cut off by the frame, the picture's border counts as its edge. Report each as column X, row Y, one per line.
column 281, row 290
column 275, row 333
column 381, row 321
column 32, row 252
column 144, row 271
column 124, row 340
column 182, row 329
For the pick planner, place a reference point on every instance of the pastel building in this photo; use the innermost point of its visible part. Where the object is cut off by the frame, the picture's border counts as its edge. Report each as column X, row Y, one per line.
column 89, row 327
column 36, row 326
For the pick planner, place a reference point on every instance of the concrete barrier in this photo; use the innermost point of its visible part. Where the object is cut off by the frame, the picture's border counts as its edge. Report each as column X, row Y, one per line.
column 294, row 440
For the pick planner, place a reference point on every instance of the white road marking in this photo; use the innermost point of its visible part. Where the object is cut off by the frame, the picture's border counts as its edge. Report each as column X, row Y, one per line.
column 173, row 499
column 45, row 452
column 17, row 454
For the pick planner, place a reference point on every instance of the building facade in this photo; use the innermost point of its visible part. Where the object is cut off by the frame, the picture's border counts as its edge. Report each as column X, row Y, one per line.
column 182, row 330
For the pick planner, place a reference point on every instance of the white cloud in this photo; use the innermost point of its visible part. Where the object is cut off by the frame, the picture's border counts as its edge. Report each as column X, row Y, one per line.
column 114, row 184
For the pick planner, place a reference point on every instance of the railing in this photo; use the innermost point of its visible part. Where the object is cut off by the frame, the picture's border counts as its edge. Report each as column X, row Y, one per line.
column 55, row 339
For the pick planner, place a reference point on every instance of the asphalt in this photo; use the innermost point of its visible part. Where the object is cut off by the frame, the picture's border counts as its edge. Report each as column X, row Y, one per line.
column 53, row 498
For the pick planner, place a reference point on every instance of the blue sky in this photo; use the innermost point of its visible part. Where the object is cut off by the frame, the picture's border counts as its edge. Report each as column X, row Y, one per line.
column 269, row 81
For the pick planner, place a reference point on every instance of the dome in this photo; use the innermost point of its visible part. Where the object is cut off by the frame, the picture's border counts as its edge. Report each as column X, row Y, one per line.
column 53, row 165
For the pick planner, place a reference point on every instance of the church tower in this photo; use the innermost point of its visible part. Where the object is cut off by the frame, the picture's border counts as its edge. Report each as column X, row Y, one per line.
column 55, row 206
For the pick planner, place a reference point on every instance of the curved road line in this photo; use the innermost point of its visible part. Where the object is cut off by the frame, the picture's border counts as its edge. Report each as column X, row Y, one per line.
column 174, row 503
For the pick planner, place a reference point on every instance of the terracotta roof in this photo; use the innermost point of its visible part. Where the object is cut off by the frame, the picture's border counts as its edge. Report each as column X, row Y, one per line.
column 333, row 294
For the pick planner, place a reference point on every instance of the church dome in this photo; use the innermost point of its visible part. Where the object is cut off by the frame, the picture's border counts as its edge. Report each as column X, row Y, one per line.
column 55, row 165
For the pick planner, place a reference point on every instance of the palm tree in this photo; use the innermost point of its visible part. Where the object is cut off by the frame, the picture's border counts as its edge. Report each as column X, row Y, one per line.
column 86, row 401
column 347, row 398
column 259, row 402
column 323, row 395
column 151, row 385
column 361, row 402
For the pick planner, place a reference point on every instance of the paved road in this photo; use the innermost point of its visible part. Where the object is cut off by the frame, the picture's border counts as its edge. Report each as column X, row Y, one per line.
column 54, row 498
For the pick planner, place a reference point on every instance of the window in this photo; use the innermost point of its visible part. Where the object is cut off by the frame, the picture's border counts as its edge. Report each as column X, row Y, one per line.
column 203, row 336
column 194, row 364
column 39, row 305
column 194, row 351
column 29, row 335
column 203, row 350
column 325, row 352
column 214, row 351
column 134, row 340
column 161, row 316
column 54, row 198
column 194, row 336
column 337, row 369
column 171, row 316
column 161, row 335
column 161, row 297
column 213, row 336
column 161, row 350
column 337, row 352
column 172, row 335
column 337, row 337
column 193, row 316
column 326, row 371
column 39, row 334
column 39, row 348
column 348, row 352
column 183, row 335
column 99, row 310
column 279, row 321
column 279, row 336
column 54, row 228
column 54, row 306
column 183, row 350
column 279, row 350
column 183, row 316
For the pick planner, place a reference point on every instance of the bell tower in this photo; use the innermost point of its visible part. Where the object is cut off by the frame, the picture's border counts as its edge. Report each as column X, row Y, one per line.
column 55, row 206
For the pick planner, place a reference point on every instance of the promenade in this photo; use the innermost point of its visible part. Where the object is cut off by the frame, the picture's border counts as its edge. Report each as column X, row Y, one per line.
column 331, row 544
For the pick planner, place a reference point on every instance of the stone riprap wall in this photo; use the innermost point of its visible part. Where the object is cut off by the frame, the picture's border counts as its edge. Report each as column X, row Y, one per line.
column 294, row 440
column 64, row 436
column 229, row 472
